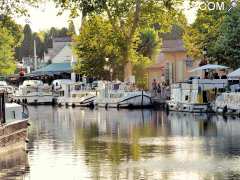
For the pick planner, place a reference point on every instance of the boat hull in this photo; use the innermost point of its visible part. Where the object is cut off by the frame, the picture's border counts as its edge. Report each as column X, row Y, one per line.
column 85, row 101
column 228, row 103
column 35, row 100
column 13, row 136
column 188, row 107
column 136, row 101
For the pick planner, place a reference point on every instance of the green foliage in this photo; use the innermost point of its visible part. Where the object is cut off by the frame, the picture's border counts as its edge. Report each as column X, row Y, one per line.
column 27, row 44
column 203, row 33
column 13, row 28
column 7, row 61
column 226, row 49
column 95, row 43
column 16, row 7
column 71, row 29
column 127, row 18
column 148, row 42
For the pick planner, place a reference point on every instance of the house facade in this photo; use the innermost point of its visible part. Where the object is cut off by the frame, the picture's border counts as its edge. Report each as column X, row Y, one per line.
column 172, row 64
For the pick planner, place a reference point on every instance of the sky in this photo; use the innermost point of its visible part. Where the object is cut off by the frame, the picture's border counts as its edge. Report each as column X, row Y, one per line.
column 45, row 17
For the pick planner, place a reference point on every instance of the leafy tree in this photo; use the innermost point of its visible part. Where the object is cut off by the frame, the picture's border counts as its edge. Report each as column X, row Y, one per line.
column 13, row 7
column 148, row 42
column 226, row 49
column 71, row 29
column 203, row 33
column 27, row 44
column 7, row 61
column 96, row 42
column 126, row 17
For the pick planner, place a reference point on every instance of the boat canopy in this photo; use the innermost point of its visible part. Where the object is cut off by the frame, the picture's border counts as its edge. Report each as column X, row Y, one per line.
column 54, row 68
column 234, row 74
column 209, row 66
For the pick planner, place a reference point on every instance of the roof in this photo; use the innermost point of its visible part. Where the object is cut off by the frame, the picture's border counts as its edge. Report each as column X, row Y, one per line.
column 173, row 46
column 55, row 67
column 62, row 39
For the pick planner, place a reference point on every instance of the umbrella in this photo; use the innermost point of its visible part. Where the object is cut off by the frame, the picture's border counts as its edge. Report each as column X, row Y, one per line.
column 209, row 66
column 235, row 73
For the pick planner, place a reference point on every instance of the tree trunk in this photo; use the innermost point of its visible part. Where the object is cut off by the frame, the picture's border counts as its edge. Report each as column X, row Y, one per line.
column 127, row 71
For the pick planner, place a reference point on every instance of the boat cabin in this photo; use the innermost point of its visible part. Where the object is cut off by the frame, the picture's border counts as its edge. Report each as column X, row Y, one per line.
column 9, row 112
column 198, row 90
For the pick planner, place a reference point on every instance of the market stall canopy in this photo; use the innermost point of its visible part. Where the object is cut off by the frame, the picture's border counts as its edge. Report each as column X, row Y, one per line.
column 54, row 68
column 234, row 74
column 209, row 66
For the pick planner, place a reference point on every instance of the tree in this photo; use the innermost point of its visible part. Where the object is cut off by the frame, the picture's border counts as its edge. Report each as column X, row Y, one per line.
column 226, row 49
column 148, row 42
column 126, row 17
column 203, row 33
column 13, row 7
column 27, row 44
column 7, row 61
column 71, row 29
column 96, row 42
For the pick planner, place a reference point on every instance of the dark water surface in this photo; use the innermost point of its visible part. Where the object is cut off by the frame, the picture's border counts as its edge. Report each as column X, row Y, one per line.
column 75, row 144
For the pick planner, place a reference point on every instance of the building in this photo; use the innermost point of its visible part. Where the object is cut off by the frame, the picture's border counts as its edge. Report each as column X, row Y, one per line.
column 61, row 51
column 172, row 64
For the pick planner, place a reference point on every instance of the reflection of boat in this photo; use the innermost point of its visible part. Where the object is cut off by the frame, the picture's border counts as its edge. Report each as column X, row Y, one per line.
column 13, row 125
column 13, row 164
column 34, row 92
column 78, row 93
column 120, row 95
column 195, row 95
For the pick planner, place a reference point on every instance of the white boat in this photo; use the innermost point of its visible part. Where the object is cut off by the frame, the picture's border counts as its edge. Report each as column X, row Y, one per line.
column 120, row 95
column 78, row 93
column 7, row 88
column 13, row 125
column 196, row 95
column 34, row 92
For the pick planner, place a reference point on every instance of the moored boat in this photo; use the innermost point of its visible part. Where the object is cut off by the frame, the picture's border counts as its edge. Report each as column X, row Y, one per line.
column 13, row 125
column 121, row 95
column 196, row 95
column 34, row 92
column 78, row 93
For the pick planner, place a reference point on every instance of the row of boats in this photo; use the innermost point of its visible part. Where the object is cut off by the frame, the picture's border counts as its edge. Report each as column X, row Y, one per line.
column 206, row 95
column 68, row 93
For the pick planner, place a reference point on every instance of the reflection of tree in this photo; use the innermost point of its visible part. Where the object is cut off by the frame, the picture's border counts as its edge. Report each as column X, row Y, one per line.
column 119, row 143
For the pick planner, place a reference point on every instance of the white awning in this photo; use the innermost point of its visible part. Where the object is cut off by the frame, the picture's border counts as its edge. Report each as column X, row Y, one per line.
column 235, row 73
column 209, row 66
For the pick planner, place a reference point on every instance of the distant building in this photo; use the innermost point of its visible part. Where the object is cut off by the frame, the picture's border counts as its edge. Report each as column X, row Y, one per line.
column 61, row 51
column 172, row 64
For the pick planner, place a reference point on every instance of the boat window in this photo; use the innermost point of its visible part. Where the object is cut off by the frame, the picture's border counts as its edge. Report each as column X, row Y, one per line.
column 77, row 87
column 13, row 115
column 116, row 86
column 61, row 93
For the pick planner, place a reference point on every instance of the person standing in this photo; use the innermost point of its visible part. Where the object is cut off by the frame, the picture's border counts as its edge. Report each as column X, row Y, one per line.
column 154, row 86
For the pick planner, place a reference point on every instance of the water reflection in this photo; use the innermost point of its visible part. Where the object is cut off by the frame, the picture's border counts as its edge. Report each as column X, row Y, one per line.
column 99, row 144
column 13, row 164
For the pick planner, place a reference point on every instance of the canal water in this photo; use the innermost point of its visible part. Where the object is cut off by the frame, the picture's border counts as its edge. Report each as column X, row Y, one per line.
column 79, row 143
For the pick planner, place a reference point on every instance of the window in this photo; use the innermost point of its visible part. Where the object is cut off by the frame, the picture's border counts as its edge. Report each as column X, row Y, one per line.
column 186, row 98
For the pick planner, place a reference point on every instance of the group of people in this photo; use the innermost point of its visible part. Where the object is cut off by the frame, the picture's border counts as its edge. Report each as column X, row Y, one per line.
column 214, row 75
column 159, row 89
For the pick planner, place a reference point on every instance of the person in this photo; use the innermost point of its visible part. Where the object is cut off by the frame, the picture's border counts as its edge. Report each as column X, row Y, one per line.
column 159, row 89
column 154, row 86
column 216, row 76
